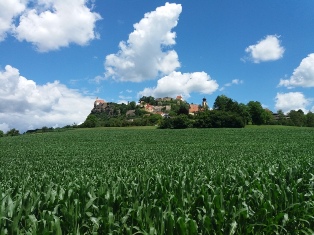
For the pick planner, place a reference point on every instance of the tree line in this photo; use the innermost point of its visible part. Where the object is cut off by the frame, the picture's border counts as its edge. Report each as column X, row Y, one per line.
column 226, row 112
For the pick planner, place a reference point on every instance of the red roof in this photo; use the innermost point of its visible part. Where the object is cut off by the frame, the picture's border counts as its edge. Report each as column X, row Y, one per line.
column 193, row 108
column 100, row 101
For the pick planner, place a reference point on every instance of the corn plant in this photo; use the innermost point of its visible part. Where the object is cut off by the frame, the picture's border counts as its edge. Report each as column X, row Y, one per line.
column 138, row 181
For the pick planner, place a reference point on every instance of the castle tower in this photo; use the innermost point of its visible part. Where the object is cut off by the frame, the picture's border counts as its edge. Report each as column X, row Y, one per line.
column 204, row 103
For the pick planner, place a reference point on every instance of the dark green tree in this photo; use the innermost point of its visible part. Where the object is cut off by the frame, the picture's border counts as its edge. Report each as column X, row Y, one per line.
column 297, row 118
column 166, row 123
column 148, row 100
column 44, row 129
column 243, row 111
column 132, row 105
column 13, row 132
column 91, row 121
column 223, row 103
column 310, row 119
column 183, row 109
column 181, row 122
column 202, row 120
column 222, row 119
column 1, row 133
column 257, row 113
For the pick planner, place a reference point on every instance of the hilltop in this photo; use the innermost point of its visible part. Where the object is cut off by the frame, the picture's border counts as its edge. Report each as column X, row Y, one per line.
column 168, row 112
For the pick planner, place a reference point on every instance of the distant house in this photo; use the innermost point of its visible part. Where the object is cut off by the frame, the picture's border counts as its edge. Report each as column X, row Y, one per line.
column 194, row 108
column 149, row 108
column 179, row 97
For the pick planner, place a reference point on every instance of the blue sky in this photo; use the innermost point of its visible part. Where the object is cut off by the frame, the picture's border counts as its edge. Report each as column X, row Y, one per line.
column 57, row 56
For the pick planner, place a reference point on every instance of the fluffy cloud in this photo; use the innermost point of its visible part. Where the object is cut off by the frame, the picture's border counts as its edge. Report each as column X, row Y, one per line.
column 57, row 23
column 146, row 54
column 291, row 101
column 303, row 76
column 8, row 11
column 267, row 49
column 177, row 83
column 26, row 105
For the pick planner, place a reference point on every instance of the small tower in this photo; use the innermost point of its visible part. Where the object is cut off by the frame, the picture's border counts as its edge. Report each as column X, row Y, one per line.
column 204, row 103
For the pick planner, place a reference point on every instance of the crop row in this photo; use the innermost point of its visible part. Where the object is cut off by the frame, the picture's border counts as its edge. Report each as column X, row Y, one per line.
column 117, row 181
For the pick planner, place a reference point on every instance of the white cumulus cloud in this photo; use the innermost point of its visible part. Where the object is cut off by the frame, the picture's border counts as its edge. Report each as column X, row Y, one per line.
column 177, row 83
column 267, row 49
column 291, row 101
column 27, row 105
column 8, row 11
column 303, row 76
column 147, row 52
column 52, row 24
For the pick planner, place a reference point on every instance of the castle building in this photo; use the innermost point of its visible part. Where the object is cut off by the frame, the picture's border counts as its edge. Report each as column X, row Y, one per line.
column 98, row 102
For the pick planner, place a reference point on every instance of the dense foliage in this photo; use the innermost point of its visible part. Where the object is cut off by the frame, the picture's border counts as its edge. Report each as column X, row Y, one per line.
column 152, row 181
column 226, row 112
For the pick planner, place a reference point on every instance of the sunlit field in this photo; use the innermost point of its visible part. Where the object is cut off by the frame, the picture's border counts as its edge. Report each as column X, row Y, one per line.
column 152, row 181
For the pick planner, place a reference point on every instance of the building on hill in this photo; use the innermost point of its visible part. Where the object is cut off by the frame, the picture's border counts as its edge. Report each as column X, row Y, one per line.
column 98, row 102
column 179, row 97
column 100, row 106
column 194, row 108
column 149, row 108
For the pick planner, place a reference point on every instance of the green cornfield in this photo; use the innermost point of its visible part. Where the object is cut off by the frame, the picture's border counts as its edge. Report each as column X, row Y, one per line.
column 152, row 181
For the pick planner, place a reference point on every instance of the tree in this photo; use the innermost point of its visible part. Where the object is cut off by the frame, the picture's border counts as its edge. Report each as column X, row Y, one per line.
column 202, row 120
column 223, row 103
column 243, row 111
column 148, row 100
column 166, row 123
column 132, row 105
column 257, row 113
column 183, row 109
column 13, row 132
column 45, row 129
column 221, row 119
column 310, row 119
column 282, row 120
column 297, row 118
column 268, row 117
column 1, row 133
column 181, row 122
column 153, row 119
column 91, row 121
